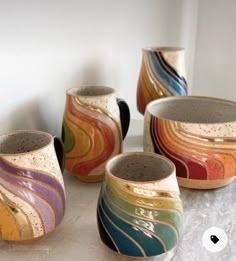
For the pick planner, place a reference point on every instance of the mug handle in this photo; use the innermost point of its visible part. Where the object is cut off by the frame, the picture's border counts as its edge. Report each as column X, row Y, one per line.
column 59, row 148
column 124, row 116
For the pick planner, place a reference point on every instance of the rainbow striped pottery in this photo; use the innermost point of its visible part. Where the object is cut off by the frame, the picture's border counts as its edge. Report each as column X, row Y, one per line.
column 162, row 74
column 198, row 134
column 94, row 122
column 32, row 194
column 139, row 210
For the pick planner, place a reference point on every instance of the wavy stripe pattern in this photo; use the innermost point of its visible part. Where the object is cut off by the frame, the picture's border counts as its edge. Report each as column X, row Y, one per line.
column 158, row 79
column 91, row 138
column 195, row 156
column 32, row 203
column 137, row 225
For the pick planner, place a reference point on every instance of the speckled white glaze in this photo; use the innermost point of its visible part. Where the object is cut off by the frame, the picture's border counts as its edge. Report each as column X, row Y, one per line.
column 99, row 96
column 44, row 159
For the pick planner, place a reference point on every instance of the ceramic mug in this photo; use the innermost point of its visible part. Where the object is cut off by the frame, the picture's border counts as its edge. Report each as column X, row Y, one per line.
column 95, row 122
column 139, row 210
column 198, row 134
column 32, row 193
column 162, row 74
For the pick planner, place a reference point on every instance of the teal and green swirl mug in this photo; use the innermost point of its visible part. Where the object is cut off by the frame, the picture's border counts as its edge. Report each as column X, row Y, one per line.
column 139, row 210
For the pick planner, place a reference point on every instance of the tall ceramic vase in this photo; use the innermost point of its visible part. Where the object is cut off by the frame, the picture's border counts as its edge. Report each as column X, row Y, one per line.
column 162, row 74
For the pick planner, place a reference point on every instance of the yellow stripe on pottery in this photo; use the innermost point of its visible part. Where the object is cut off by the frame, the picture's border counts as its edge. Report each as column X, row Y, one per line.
column 8, row 224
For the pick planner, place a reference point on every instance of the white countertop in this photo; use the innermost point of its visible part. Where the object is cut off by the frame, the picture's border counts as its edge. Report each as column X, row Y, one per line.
column 77, row 238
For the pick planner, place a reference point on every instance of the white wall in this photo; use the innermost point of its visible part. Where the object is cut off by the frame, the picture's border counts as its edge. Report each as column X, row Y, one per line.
column 48, row 46
column 215, row 63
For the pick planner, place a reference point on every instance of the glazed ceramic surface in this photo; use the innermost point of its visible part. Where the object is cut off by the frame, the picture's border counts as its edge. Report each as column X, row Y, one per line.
column 162, row 74
column 32, row 194
column 198, row 134
column 139, row 210
column 92, row 130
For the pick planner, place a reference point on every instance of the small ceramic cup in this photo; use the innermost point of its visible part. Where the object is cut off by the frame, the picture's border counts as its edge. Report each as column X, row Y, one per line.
column 198, row 134
column 32, row 193
column 162, row 74
column 95, row 123
column 139, row 209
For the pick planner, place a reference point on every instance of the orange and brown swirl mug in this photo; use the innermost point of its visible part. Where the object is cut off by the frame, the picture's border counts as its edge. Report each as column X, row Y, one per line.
column 198, row 134
column 94, row 125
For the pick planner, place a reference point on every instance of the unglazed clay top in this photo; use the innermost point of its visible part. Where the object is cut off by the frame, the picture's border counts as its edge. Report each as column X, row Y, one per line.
column 164, row 49
column 190, row 109
column 141, row 167
column 23, row 142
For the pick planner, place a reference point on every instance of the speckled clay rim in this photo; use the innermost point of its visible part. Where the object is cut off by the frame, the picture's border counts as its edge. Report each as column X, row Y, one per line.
column 51, row 140
column 154, row 155
column 163, row 49
column 189, row 97
column 71, row 90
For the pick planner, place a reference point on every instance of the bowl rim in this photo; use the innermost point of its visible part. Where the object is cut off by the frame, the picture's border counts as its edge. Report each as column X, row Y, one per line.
column 189, row 97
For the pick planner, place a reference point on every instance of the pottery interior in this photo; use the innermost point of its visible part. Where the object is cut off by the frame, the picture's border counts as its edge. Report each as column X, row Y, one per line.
column 91, row 91
column 22, row 142
column 201, row 110
column 139, row 209
column 140, row 167
column 198, row 135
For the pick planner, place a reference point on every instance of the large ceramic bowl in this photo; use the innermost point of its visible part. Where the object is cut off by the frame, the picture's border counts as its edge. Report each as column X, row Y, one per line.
column 198, row 134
